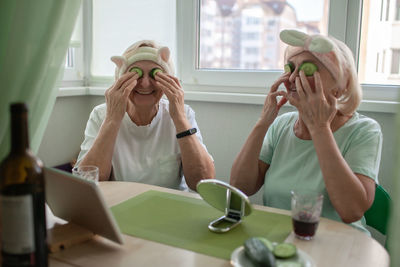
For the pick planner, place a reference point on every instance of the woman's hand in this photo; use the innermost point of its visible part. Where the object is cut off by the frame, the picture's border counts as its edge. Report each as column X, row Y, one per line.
column 316, row 109
column 117, row 96
column 172, row 89
column 271, row 105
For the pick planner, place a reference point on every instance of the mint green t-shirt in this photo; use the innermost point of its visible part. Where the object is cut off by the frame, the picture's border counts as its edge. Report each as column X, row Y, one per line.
column 294, row 163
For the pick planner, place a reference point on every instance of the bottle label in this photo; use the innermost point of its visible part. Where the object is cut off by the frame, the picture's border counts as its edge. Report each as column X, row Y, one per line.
column 18, row 225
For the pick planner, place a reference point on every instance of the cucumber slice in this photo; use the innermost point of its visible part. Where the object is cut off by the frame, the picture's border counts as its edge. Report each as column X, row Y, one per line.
column 154, row 71
column 258, row 253
column 285, row 250
column 288, row 67
column 308, row 68
column 137, row 70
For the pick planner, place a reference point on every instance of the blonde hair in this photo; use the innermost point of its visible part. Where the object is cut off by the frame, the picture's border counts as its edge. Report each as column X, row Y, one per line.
column 351, row 95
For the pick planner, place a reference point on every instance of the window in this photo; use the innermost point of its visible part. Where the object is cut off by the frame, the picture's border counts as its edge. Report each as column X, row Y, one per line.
column 73, row 71
column 380, row 43
column 395, row 61
column 227, row 60
column 397, row 10
column 387, row 9
column 219, row 63
column 232, row 46
column 119, row 23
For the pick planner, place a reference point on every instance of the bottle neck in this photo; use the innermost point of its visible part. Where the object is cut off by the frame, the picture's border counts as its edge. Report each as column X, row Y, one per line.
column 19, row 132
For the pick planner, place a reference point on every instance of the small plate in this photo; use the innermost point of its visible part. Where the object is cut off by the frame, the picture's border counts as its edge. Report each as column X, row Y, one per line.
column 239, row 259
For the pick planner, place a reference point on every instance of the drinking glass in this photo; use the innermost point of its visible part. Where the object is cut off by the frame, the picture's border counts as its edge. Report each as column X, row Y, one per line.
column 306, row 211
column 87, row 172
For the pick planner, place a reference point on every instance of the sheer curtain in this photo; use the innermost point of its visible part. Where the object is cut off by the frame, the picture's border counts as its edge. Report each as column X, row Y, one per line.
column 34, row 40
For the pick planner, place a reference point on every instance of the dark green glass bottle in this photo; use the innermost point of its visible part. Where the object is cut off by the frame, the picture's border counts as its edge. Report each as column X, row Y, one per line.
column 22, row 198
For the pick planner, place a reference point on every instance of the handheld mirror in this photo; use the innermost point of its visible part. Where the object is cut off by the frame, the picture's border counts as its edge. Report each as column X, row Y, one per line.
column 226, row 198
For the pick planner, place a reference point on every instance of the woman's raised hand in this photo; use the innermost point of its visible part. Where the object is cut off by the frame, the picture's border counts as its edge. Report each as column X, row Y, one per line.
column 316, row 108
column 271, row 104
column 117, row 96
column 172, row 89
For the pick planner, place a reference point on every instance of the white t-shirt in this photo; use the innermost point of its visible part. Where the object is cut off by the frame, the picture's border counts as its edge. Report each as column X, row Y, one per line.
column 146, row 154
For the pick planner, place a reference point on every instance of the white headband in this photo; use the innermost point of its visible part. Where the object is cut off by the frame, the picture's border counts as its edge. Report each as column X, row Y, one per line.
column 136, row 52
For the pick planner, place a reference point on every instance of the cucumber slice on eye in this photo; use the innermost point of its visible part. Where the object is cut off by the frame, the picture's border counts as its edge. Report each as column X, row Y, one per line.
column 308, row 68
column 284, row 250
column 288, row 67
column 137, row 70
column 154, row 71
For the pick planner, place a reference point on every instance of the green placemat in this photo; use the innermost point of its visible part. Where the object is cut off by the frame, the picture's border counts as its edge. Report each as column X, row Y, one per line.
column 183, row 222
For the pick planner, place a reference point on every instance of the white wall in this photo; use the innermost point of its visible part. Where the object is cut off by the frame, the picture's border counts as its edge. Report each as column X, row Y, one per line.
column 224, row 128
column 65, row 130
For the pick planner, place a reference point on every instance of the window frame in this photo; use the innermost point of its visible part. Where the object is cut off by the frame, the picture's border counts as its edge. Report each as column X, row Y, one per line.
column 74, row 76
column 229, row 83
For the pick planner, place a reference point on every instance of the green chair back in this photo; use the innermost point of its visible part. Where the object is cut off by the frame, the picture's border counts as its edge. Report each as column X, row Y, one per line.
column 377, row 216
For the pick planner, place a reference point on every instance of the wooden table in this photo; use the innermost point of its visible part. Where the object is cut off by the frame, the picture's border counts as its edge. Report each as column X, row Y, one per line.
column 335, row 244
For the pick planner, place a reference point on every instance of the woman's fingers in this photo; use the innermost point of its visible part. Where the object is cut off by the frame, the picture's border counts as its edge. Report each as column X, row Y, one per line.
column 299, row 89
column 128, row 81
column 166, row 90
column 176, row 80
column 167, row 80
column 282, row 102
column 169, row 85
column 318, row 83
column 128, row 89
column 305, row 84
column 331, row 100
column 164, row 83
column 272, row 98
column 282, row 79
column 123, row 79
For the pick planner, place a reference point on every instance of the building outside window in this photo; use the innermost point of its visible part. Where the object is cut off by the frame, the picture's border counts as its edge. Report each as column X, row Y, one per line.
column 250, row 17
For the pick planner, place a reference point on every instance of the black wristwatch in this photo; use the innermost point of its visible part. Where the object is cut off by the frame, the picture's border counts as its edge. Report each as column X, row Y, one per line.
column 186, row 133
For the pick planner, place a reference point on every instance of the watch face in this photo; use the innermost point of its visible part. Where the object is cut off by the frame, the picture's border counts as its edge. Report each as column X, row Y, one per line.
column 193, row 130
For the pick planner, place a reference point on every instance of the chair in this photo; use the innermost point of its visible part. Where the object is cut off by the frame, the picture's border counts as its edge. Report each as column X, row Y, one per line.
column 378, row 214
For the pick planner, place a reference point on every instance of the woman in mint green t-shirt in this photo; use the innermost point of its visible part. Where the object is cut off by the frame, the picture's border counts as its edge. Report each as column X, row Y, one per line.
column 325, row 146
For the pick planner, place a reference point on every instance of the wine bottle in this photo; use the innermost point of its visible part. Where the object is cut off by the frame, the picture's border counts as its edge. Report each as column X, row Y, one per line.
column 22, row 198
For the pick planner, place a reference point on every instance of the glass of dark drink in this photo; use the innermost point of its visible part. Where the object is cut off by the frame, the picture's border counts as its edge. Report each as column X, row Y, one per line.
column 306, row 210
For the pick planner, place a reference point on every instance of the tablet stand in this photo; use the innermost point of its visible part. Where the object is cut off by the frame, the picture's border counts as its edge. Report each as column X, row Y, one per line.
column 63, row 236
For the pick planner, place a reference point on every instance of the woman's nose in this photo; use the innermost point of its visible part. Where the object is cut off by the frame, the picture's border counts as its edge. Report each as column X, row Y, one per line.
column 145, row 81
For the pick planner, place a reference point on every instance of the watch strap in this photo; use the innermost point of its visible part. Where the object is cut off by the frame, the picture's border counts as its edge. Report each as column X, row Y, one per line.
column 186, row 133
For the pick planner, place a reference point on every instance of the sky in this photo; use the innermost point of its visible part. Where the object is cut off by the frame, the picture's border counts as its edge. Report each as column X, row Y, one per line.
column 308, row 9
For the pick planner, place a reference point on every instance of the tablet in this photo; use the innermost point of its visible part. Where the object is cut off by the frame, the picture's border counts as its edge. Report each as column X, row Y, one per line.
column 81, row 202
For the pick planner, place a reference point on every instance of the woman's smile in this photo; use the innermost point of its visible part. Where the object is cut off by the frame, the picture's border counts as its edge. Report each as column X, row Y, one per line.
column 144, row 91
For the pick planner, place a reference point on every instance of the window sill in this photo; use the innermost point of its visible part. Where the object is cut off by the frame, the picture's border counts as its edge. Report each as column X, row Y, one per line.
column 234, row 98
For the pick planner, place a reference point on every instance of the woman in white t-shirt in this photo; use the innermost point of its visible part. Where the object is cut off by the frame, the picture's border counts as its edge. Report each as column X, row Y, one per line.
column 325, row 146
column 138, row 136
